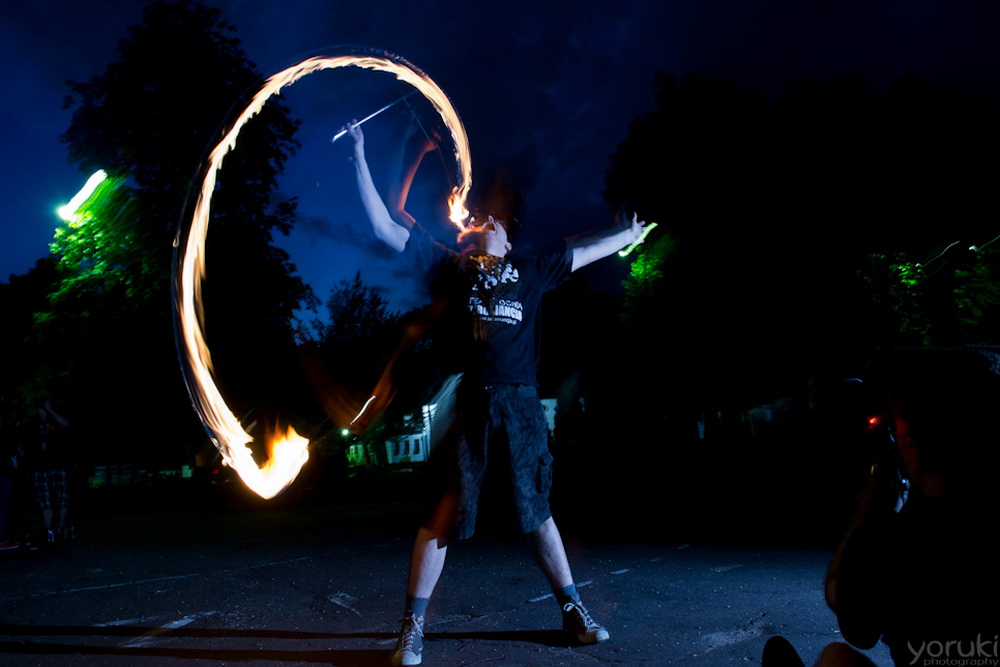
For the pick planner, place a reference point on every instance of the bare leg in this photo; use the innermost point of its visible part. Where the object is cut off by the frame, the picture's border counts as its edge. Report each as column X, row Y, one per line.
column 547, row 546
column 426, row 564
column 550, row 553
column 48, row 518
column 431, row 548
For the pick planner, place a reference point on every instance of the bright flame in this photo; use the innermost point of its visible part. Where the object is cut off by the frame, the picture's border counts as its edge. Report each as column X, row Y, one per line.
column 69, row 211
column 287, row 456
column 456, row 205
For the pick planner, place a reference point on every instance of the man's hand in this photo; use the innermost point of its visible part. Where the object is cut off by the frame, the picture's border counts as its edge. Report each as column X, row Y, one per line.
column 354, row 131
column 592, row 247
column 632, row 229
column 426, row 141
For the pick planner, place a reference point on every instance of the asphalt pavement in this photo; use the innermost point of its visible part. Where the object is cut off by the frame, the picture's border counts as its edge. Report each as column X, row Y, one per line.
column 221, row 579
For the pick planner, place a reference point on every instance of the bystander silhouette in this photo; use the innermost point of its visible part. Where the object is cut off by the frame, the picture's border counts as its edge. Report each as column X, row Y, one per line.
column 916, row 568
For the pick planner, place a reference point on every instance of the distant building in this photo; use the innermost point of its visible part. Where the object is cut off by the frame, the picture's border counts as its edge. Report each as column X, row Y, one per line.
column 415, row 447
column 409, row 448
column 412, row 447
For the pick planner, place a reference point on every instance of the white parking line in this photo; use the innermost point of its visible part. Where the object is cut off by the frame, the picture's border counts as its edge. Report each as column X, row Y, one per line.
column 155, row 633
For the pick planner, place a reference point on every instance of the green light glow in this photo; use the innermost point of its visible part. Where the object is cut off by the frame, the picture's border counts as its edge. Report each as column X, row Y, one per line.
column 69, row 211
column 624, row 252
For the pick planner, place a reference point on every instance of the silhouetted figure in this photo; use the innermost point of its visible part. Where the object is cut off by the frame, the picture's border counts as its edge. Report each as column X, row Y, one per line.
column 50, row 454
column 922, row 578
column 489, row 301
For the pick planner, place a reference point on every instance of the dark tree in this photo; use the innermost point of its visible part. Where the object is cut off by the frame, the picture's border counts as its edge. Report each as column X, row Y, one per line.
column 148, row 120
column 367, row 352
column 20, row 299
column 361, row 335
column 356, row 311
column 800, row 231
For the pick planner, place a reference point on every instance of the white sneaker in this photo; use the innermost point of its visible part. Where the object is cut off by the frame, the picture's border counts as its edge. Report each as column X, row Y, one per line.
column 410, row 643
column 577, row 622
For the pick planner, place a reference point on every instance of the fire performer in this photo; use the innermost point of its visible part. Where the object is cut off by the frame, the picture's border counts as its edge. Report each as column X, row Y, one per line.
column 490, row 301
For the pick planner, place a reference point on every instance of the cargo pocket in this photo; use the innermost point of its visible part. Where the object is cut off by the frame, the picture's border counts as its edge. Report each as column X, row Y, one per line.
column 545, row 472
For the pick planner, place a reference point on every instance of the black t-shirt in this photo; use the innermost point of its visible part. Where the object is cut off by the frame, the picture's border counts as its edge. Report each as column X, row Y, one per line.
column 489, row 325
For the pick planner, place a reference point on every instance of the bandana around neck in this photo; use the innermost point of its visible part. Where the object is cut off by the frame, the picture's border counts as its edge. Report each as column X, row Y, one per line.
column 487, row 264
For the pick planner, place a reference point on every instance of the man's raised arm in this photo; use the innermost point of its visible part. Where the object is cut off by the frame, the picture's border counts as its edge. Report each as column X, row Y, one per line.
column 405, row 163
column 589, row 248
column 386, row 229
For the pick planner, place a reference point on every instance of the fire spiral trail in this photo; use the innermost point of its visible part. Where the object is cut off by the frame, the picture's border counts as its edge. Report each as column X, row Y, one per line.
column 289, row 452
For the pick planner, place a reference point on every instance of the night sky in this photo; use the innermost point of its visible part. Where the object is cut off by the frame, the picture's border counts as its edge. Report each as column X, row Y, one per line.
column 547, row 87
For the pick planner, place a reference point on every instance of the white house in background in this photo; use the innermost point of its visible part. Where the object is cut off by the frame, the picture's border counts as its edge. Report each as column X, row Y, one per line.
column 416, row 447
column 412, row 447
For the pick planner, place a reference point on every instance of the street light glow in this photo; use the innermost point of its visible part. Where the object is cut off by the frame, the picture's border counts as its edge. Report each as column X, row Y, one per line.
column 68, row 211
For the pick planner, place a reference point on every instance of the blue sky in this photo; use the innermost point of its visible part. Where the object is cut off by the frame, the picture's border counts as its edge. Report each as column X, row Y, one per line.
column 551, row 85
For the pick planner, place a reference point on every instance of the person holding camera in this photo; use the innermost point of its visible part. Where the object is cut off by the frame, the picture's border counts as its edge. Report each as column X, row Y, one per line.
column 920, row 575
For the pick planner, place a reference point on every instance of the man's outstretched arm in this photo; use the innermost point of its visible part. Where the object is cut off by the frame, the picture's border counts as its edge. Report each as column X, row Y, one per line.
column 598, row 245
column 386, row 229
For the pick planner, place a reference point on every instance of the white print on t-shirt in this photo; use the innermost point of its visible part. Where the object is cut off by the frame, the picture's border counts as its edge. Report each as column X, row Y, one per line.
column 504, row 310
column 491, row 275
column 488, row 279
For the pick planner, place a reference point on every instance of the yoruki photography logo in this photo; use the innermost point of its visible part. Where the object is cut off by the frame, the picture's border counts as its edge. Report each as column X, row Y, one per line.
column 962, row 653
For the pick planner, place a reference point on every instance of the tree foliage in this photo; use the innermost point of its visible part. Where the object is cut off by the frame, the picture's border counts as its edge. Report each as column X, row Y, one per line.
column 360, row 334
column 104, row 255
column 364, row 352
column 356, row 311
column 805, row 233
column 148, row 120
column 20, row 299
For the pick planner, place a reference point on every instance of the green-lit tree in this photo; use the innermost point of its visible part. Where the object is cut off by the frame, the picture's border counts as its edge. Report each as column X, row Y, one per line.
column 148, row 121
column 978, row 296
column 803, row 230
column 100, row 285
